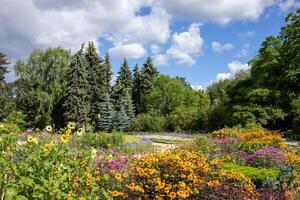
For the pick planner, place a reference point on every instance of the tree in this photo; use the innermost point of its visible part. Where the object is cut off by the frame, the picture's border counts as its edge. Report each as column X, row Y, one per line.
column 148, row 73
column 6, row 103
column 106, row 117
column 123, row 82
column 76, row 101
column 106, row 75
column 94, row 77
column 128, row 104
column 136, row 91
column 121, row 121
column 40, row 87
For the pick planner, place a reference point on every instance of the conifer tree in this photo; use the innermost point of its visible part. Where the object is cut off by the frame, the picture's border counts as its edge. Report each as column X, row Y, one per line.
column 123, row 82
column 94, row 77
column 106, row 75
column 106, row 117
column 136, row 90
column 148, row 73
column 121, row 121
column 128, row 104
column 76, row 101
column 3, row 97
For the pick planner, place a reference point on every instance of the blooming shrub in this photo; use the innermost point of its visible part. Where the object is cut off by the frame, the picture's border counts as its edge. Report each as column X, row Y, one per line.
column 227, row 132
column 185, row 175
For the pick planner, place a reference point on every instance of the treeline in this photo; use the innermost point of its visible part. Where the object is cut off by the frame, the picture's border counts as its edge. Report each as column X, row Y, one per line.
column 54, row 87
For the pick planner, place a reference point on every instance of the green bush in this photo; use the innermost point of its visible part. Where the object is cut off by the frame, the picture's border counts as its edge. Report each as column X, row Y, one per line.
column 147, row 122
column 7, row 128
column 257, row 175
column 105, row 140
column 250, row 146
column 17, row 118
column 203, row 144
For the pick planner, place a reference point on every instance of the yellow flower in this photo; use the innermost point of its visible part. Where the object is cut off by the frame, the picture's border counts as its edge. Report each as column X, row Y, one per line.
column 172, row 195
column 81, row 198
column 116, row 193
column 213, row 183
column 68, row 131
column 64, row 138
column 80, row 131
column 94, row 153
column 118, row 177
column 47, row 147
column 71, row 125
column 291, row 157
column 49, row 128
column 32, row 139
column 68, row 197
column 37, row 130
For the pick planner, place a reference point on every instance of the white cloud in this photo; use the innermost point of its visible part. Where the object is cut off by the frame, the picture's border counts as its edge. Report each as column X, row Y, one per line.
column 160, row 59
column 247, row 34
column 234, row 67
column 197, row 87
column 155, row 49
column 133, row 50
column 184, row 46
column 242, row 53
column 222, row 76
column 220, row 11
column 219, row 48
column 286, row 5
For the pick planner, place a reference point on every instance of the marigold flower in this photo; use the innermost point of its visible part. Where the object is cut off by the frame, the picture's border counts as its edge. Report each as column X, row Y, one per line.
column 172, row 195
column 213, row 183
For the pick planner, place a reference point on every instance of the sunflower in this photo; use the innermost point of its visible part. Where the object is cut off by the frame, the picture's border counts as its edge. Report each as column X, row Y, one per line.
column 47, row 147
column 71, row 125
column 94, row 153
column 64, row 138
column 118, row 177
column 68, row 131
column 49, row 128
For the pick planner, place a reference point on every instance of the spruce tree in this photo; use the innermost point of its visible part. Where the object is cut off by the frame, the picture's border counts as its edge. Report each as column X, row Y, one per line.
column 94, row 77
column 106, row 75
column 106, row 117
column 76, row 101
column 136, row 90
column 148, row 73
column 121, row 122
column 128, row 104
column 3, row 71
column 123, row 82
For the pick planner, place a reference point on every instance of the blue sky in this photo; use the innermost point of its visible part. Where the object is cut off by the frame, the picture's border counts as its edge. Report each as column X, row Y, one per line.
column 203, row 41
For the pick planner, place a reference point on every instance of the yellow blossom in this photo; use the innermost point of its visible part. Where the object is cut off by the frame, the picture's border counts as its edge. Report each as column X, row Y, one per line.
column 71, row 125
column 47, row 147
column 49, row 128
column 32, row 139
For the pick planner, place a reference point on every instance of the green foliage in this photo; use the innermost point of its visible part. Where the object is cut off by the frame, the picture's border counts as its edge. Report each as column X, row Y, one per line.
column 105, row 140
column 121, row 120
column 250, row 146
column 7, row 128
column 106, row 117
column 128, row 104
column 3, row 71
column 203, row 144
column 76, row 100
column 148, row 122
column 94, row 80
column 148, row 73
column 17, row 118
column 41, row 83
column 257, row 175
column 136, row 90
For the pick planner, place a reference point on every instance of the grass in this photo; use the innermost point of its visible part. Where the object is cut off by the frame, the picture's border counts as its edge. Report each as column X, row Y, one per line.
column 137, row 149
column 130, row 138
column 167, row 139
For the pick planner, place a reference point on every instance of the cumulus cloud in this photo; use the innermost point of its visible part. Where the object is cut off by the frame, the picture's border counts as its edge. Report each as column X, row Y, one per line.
column 220, row 11
column 133, row 50
column 197, row 87
column 286, row 5
column 183, row 47
column 247, row 34
column 219, row 48
column 233, row 67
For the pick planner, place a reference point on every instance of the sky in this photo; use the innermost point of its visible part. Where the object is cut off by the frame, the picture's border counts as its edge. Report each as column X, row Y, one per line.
column 203, row 41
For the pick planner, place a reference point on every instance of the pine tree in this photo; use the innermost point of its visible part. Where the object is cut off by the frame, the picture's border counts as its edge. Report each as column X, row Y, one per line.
column 94, row 77
column 76, row 105
column 106, row 117
column 136, row 90
column 106, row 75
column 123, row 82
column 3, row 71
column 128, row 104
column 121, row 121
column 148, row 73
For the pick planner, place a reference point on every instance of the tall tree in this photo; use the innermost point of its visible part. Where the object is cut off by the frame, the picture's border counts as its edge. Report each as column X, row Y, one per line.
column 40, row 87
column 106, row 75
column 148, row 73
column 94, row 77
column 128, row 104
column 136, row 90
column 123, row 82
column 121, row 121
column 76, row 102
column 5, row 101
column 106, row 117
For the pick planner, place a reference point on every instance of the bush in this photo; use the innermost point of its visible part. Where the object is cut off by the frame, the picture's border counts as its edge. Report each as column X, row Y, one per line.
column 17, row 118
column 105, row 140
column 203, row 144
column 185, row 175
column 257, row 175
column 250, row 146
column 147, row 122
column 7, row 128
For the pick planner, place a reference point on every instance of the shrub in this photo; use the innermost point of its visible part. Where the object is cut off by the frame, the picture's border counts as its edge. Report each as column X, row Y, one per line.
column 147, row 122
column 257, row 175
column 250, row 146
column 17, row 118
column 203, row 144
column 7, row 128
column 227, row 132
column 187, row 175
column 105, row 140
